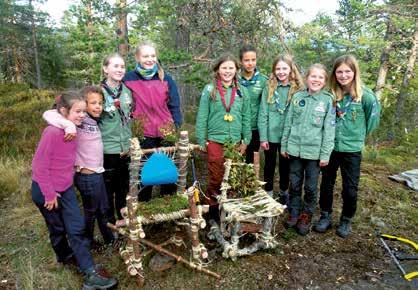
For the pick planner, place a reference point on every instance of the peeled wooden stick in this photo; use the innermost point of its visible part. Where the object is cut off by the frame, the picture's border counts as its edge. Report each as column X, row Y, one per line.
column 170, row 254
column 178, row 258
column 168, row 149
column 257, row 164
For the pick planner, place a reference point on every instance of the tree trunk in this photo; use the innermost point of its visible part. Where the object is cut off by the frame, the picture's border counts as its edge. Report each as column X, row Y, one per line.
column 35, row 47
column 90, row 42
column 18, row 69
column 123, row 47
column 384, row 59
column 408, row 73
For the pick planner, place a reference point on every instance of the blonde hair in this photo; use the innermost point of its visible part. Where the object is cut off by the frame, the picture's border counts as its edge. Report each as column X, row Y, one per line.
column 107, row 59
column 317, row 66
column 355, row 89
column 221, row 60
column 144, row 43
column 295, row 79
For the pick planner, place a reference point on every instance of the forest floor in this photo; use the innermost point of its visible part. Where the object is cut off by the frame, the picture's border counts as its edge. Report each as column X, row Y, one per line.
column 317, row 261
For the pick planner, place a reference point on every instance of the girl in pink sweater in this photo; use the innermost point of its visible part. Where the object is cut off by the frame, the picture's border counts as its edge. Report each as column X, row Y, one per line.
column 89, row 163
column 54, row 195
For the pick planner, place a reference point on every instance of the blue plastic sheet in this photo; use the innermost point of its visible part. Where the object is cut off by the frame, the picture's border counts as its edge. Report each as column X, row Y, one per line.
column 159, row 169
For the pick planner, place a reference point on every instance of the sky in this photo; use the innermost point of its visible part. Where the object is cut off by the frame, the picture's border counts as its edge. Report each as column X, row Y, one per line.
column 305, row 10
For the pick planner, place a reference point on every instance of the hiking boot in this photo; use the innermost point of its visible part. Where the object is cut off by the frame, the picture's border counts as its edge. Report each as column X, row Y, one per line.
column 344, row 228
column 291, row 221
column 303, row 225
column 324, row 223
column 98, row 278
column 284, row 197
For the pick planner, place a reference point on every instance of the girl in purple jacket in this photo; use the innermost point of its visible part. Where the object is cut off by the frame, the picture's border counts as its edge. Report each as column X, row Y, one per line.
column 157, row 104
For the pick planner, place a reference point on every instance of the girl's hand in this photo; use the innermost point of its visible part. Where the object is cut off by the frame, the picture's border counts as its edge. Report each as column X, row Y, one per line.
column 285, row 154
column 264, row 145
column 50, row 205
column 323, row 163
column 204, row 148
column 69, row 136
column 242, row 147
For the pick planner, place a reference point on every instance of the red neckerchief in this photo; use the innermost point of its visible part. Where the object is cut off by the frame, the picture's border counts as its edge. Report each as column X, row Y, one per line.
column 222, row 93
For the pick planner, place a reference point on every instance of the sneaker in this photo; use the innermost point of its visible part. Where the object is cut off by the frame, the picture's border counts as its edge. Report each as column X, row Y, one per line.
column 344, row 228
column 291, row 222
column 98, row 278
column 303, row 225
column 324, row 223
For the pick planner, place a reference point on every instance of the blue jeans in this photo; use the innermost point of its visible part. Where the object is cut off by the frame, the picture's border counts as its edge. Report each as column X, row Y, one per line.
column 65, row 224
column 93, row 193
column 303, row 172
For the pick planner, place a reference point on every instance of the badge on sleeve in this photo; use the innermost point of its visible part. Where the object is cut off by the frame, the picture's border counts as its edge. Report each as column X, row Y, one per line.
column 302, row 103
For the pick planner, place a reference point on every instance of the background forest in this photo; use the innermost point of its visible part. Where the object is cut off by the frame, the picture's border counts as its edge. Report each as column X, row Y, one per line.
column 191, row 34
column 39, row 58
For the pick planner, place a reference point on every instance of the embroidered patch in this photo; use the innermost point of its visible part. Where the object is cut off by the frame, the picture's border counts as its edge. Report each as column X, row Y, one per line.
column 320, row 108
column 302, row 103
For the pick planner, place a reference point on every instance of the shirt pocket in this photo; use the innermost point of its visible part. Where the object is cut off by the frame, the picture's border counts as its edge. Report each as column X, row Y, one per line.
column 356, row 113
column 318, row 119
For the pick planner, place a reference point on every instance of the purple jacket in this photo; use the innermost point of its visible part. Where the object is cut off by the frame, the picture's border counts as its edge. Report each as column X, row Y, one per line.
column 157, row 103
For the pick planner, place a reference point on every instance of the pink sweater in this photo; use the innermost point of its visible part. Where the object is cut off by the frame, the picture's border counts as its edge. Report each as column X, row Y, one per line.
column 53, row 163
column 90, row 146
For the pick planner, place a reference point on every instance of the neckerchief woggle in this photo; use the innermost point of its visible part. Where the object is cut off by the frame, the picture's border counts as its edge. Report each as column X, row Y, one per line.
column 252, row 81
column 342, row 111
column 113, row 101
column 227, row 117
column 276, row 98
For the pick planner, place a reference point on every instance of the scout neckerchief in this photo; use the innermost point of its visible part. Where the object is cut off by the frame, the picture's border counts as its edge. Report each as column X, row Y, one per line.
column 276, row 97
column 113, row 102
column 227, row 117
column 146, row 73
column 341, row 111
column 252, row 81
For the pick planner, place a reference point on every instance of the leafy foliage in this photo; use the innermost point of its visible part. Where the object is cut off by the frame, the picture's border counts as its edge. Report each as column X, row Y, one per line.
column 242, row 178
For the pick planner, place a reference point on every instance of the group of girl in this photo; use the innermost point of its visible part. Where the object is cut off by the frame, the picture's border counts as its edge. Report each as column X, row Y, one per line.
column 87, row 143
column 312, row 128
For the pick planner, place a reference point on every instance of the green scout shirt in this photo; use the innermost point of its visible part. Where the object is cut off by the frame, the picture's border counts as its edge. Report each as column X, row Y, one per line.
column 309, row 129
column 116, row 134
column 252, row 89
column 355, row 120
column 210, row 123
column 272, row 115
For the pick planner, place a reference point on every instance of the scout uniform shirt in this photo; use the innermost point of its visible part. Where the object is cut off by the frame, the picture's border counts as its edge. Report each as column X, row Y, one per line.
column 272, row 113
column 355, row 120
column 252, row 89
column 115, row 122
column 211, row 121
column 309, row 128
